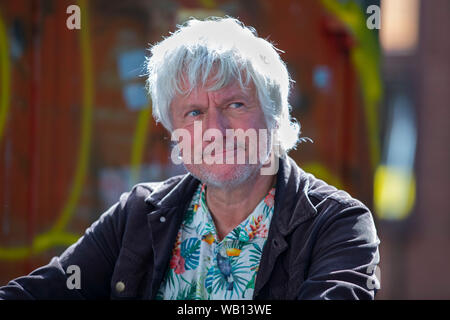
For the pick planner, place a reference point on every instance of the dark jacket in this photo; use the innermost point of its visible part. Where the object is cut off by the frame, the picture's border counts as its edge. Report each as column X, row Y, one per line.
column 322, row 244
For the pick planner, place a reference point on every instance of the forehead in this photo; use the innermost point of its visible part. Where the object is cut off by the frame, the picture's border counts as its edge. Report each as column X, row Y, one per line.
column 231, row 90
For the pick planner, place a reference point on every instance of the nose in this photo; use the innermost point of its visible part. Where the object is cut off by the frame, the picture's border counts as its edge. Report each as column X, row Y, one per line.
column 215, row 119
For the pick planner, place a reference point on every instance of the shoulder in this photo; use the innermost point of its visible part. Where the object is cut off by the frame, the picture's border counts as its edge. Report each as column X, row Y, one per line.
column 338, row 214
column 133, row 206
column 327, row 205
column 319, row 192
column 146, row 188
column 313, row 192
column 144, row 192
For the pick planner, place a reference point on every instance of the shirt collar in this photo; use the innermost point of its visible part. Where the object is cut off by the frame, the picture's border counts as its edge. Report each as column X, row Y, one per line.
column 256, row 225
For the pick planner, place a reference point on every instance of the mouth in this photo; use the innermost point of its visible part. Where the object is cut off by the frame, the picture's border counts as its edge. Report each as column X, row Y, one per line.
column 226, row 153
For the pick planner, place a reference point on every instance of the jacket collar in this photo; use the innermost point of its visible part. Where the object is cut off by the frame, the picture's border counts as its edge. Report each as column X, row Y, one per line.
column 292, row 203
column 169, row 200
column 292, row 207
column 173, row 192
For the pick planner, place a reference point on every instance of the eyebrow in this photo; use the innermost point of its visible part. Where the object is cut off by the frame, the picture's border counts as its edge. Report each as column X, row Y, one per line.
column 237, row 96
column 193, row 106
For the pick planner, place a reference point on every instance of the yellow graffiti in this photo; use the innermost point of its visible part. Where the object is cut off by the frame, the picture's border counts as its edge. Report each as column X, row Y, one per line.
column 208, row 4
column 365, row 58
column 139, row 140
column 40, row 244
column 321, row 172
column 4, row 78
column 394, row 192
column 56, row 236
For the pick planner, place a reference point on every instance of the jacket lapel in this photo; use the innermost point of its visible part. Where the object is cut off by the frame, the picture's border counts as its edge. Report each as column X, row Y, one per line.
column 170, row 202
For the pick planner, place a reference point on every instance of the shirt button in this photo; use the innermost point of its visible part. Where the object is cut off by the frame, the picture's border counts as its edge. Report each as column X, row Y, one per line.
column 162, row 219
column 120, row 286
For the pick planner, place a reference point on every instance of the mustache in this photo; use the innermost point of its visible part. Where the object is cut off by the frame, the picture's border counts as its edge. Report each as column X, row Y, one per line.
column 222, row 147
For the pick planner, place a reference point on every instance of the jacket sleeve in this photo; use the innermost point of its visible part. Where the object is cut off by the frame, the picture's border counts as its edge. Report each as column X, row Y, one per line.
column 344, row 255
column 94, row 254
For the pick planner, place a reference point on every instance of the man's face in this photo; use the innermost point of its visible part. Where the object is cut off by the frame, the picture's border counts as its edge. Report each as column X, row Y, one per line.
column 216, row 112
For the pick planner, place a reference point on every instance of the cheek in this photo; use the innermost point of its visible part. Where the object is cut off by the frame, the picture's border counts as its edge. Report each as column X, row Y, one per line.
column 256, row 122
column 262, row 121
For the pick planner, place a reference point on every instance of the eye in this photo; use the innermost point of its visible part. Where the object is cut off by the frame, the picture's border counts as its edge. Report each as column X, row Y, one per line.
column 193, row 113
column 236, row 105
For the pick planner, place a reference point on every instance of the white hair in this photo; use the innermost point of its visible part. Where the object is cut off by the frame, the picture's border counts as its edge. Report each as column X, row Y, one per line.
column 226, row 50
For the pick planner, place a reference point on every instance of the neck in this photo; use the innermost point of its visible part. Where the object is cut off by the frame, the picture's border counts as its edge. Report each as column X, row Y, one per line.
column 229, row 207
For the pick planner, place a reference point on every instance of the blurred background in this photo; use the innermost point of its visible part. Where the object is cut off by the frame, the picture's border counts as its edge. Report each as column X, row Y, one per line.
column 372, row 90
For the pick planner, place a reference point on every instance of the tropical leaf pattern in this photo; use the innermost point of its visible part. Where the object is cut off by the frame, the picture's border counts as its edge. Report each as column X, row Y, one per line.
column 190, row 251
column 203, row 268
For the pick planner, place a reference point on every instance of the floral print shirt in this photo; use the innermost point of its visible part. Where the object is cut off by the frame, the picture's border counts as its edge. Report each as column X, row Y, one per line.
column 204, row 268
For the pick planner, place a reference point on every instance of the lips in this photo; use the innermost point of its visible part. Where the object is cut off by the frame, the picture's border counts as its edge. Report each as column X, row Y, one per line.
column 225, row 151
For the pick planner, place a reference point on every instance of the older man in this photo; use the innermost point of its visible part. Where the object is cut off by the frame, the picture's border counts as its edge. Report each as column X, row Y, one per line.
column 246, row 222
